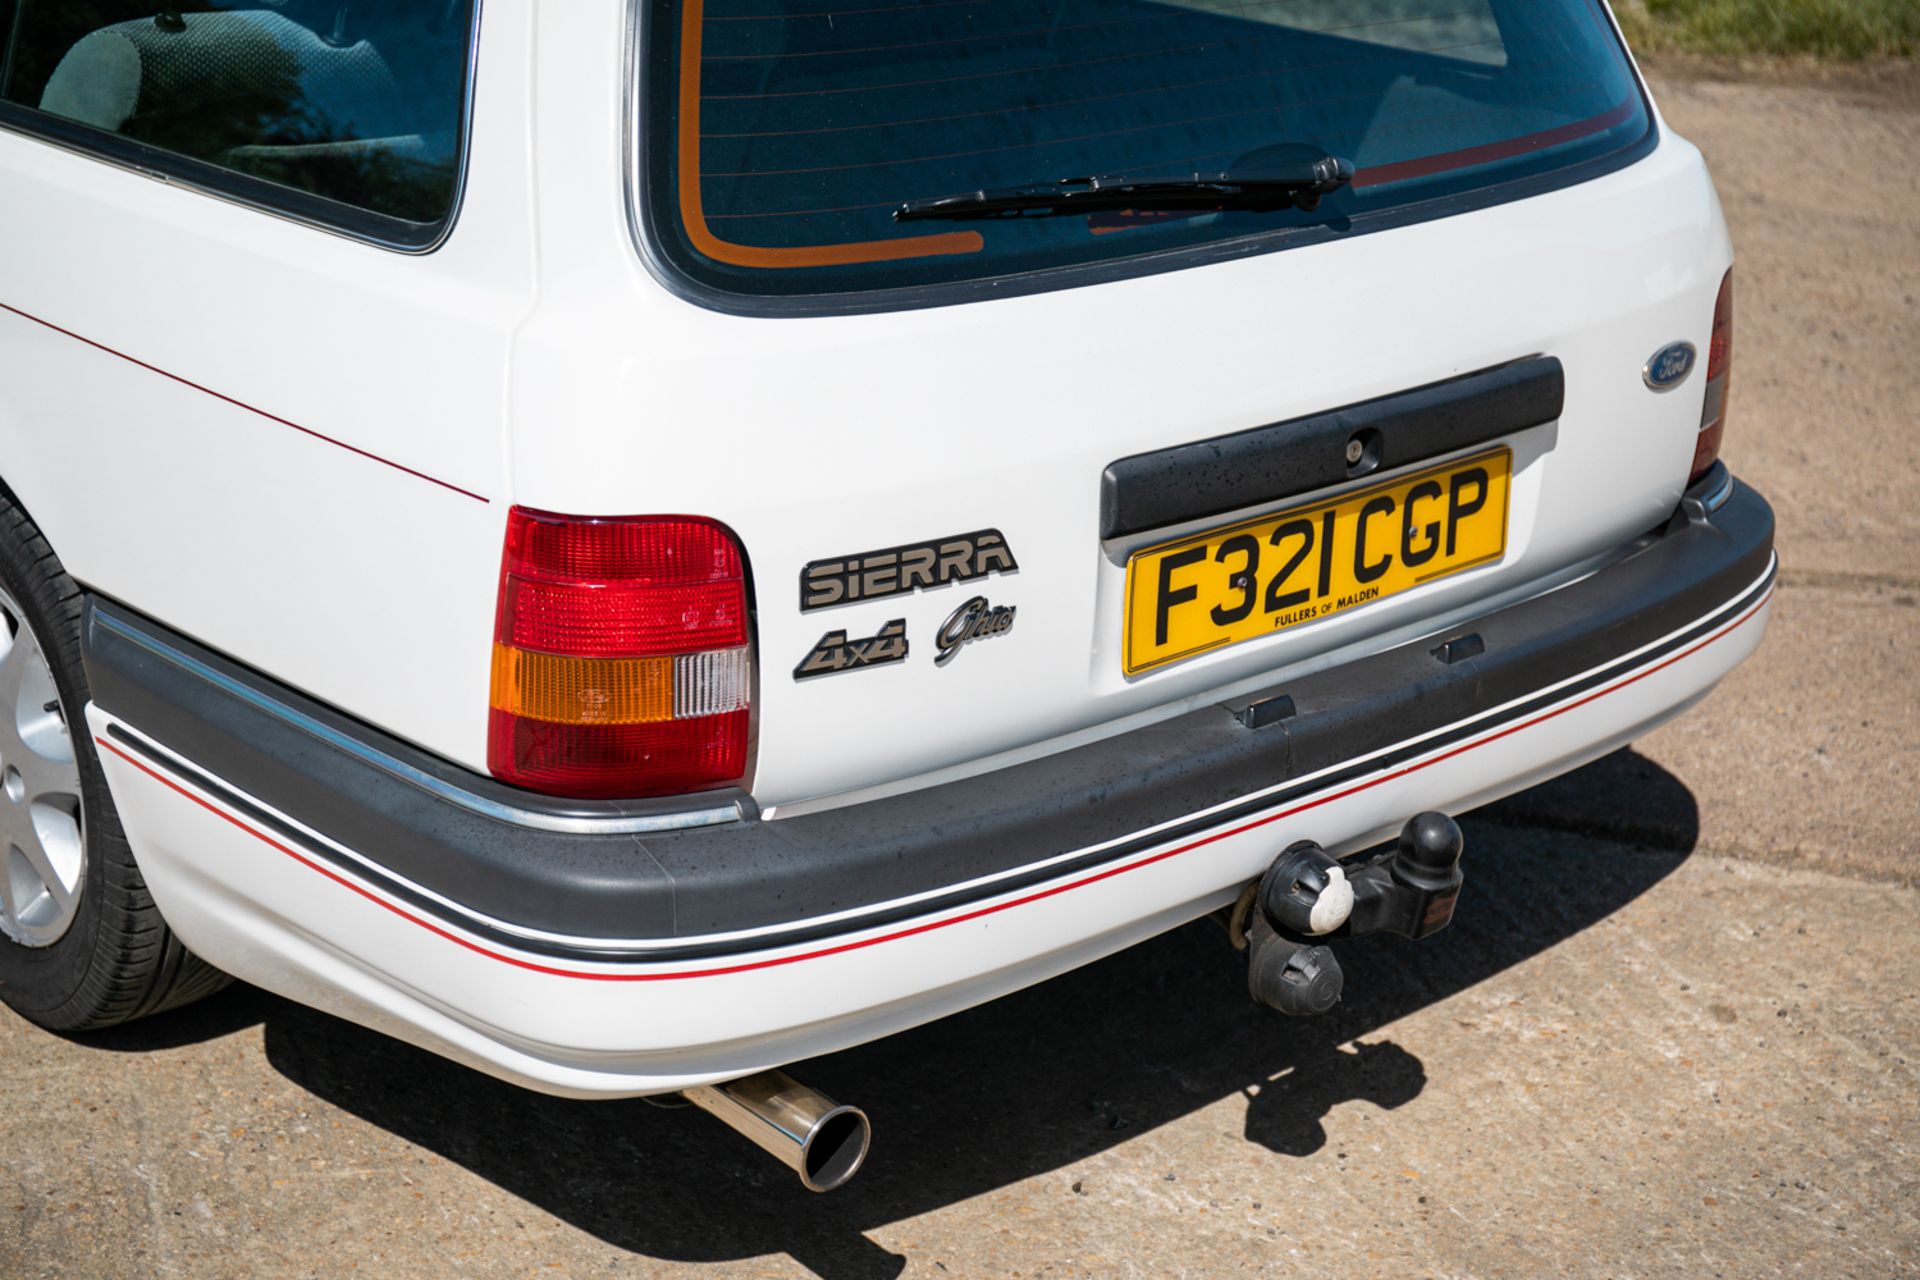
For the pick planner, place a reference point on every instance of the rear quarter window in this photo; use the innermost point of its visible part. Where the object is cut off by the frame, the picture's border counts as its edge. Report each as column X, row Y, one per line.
column 779, row 136
column 346, row 111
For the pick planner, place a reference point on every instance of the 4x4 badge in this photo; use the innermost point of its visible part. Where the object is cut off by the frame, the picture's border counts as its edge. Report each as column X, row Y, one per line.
column 837, row 653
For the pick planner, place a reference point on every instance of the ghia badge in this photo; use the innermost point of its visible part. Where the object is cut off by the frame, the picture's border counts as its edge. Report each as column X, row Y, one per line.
column 1670, row 366
column 974, row 620
column 873, row 575
column 836, row 653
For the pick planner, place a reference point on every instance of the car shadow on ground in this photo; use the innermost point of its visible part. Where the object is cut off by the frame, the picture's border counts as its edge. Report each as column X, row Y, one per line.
column 1023, row 1086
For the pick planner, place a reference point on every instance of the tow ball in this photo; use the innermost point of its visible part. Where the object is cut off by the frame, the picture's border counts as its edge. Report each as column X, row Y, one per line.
column 1308, row 897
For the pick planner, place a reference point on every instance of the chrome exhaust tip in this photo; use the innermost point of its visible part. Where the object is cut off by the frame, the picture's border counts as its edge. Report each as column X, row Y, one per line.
column 820, row 1140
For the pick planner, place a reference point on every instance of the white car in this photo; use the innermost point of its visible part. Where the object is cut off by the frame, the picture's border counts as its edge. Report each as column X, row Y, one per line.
column 633, row 545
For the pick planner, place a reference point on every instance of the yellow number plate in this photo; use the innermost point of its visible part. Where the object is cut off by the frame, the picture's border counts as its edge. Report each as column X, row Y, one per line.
column 1251, row 579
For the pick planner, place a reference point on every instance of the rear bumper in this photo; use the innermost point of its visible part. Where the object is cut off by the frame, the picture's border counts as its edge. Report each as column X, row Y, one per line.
column 608, row 950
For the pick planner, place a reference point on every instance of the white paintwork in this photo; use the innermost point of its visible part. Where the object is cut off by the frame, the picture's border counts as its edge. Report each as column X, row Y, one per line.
column 842, row 434
column 534, row 359
column 363, row 585
column 251, row 909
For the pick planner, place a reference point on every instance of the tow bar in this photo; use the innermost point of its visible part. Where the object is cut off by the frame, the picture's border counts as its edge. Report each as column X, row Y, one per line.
column 1308, row 897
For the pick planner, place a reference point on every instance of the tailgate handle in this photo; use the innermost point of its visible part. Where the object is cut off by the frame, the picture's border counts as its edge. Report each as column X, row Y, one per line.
column 1266, row 464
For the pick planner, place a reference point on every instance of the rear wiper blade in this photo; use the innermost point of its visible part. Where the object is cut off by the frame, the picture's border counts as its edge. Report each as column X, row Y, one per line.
column 1266, row 187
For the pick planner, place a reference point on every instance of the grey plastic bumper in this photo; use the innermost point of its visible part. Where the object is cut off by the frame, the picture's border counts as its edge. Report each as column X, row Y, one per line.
column 589, row 877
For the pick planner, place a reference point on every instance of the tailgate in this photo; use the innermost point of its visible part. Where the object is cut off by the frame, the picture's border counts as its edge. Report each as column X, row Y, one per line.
column 831, row 439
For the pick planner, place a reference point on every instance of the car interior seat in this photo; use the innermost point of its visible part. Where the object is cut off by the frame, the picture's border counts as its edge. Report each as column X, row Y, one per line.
column 303, row 92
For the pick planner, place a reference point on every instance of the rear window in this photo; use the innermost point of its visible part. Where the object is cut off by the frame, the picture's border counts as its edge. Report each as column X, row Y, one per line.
column 345, row 111
column 781, row 135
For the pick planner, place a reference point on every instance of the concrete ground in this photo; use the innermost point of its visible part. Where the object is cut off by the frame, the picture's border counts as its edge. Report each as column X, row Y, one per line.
column 1675, row 1031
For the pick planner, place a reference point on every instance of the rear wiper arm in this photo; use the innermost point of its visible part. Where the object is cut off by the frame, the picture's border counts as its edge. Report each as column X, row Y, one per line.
column 1299, row 185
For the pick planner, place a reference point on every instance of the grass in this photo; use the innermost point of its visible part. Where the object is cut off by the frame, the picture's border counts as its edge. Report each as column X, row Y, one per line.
column 1832, row 29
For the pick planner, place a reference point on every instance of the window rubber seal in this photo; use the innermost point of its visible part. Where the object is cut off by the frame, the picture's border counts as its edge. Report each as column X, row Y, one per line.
column 644, row 232
column 380, row 231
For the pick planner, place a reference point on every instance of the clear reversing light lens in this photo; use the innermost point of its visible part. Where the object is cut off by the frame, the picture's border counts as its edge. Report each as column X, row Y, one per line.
column 1713, row 414
column 621, row 662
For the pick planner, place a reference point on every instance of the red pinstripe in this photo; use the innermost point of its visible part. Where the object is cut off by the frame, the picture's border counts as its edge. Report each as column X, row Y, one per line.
column 945, row 921
column 240, row 404
column 1427, row 166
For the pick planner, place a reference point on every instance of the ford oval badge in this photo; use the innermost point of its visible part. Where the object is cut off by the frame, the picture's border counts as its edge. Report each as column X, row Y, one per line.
column 1670, row 366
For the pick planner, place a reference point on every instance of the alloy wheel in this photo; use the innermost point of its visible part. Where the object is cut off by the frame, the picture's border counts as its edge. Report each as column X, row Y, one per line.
column 43, row 849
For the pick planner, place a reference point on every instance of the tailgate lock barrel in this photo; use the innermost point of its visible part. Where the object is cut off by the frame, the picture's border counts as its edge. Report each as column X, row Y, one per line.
column 1308, row 897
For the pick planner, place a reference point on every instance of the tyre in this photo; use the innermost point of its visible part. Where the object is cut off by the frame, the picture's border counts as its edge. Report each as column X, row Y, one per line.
column 81, row 944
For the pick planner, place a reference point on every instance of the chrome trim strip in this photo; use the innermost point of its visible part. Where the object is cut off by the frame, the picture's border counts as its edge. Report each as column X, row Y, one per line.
column 440, row 788
column 1718, row 498
column 874, row 915
column 376, row 875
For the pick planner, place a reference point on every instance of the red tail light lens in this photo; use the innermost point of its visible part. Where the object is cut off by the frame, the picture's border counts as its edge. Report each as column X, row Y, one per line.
column 1713, row 415
column 620, row 661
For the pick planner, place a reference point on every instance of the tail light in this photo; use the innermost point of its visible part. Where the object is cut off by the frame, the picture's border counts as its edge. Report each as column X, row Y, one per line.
column 1713, row 415
column 620, row 660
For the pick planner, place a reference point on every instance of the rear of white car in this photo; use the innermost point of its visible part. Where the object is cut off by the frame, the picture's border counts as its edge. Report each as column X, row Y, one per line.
column 770, row 564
